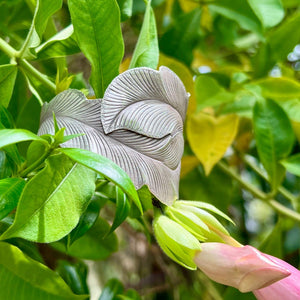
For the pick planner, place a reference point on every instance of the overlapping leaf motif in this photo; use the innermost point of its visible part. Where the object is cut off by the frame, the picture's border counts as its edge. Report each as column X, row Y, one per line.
column 138, row 125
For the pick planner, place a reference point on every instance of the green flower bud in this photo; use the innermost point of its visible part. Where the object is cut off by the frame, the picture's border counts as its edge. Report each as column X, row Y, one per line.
column 194, row 217
column 178, row 243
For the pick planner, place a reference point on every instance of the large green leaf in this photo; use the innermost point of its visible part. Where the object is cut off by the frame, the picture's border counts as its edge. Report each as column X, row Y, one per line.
column 97, row 28
column 106, row 168
column 8, row 75
column 24, row 278
column 10, row 191
column 96, row 244
column 146, row 51
column 270, row 12
column 13, row 136
column 61, row 44
column 53, row 201
column 274, row 137
column 43, row 10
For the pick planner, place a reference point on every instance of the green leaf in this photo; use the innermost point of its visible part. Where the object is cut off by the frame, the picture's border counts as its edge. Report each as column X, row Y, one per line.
column 239, row 11
column 10, row 191
column 13, row 136
column 97, row 28
column 291, row 108
column 111, row 289
column 96, row 244
column 273, row 243
column 53, row 201
column 35, row 150
column 43, row 10
column 292, row 164
column 122, row 209
column 5, row 118
column 130, row 294
column 146, row 51
column 29, row 279
column 38, row 88
column 274, row 50
column 5, row 165
column 28, row 248
column 279, row 88
column 8, row 74
column 270, row 12
column 196, row 185
column 60, row 45
column 12, row 151
column 125, row 9
column 180, row 40
column 75, row 275
column 86, row 221
column 107, row 169
column 274, row 137
column 210, row 93
column 289, row 28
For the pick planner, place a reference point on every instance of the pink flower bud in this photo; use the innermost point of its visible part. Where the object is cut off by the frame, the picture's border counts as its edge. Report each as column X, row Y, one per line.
column 287, row 288
column 244, row 268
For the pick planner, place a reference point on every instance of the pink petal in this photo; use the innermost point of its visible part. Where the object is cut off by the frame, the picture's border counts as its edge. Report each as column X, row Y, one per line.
column 244, row 268
column 287, row 288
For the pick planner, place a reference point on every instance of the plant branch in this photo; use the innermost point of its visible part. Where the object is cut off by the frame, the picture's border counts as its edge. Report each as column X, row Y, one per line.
column 281, row 209
column 282, row 190
column 26, row 66
column 36, row 164
column 7, row 49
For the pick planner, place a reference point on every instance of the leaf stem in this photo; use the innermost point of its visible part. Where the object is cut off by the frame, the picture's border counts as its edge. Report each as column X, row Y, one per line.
column 36, row 164
column 281, row 209
column 7, row 49
column 282, row 190
column 28, row 68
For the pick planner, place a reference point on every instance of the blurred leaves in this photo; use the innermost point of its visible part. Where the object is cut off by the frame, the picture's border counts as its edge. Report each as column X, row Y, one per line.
column 96, row 244
column 274, row 138
column 182, row 37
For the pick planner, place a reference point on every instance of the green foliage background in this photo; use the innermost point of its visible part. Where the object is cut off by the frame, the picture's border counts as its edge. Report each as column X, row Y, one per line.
column 238, row 58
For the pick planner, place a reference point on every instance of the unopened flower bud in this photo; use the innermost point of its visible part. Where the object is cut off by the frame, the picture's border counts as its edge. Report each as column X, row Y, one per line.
column 244, row 268
column 178, row 243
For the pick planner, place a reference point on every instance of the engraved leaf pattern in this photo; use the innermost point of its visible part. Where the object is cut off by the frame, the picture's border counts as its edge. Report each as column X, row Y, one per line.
column 138, row 125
